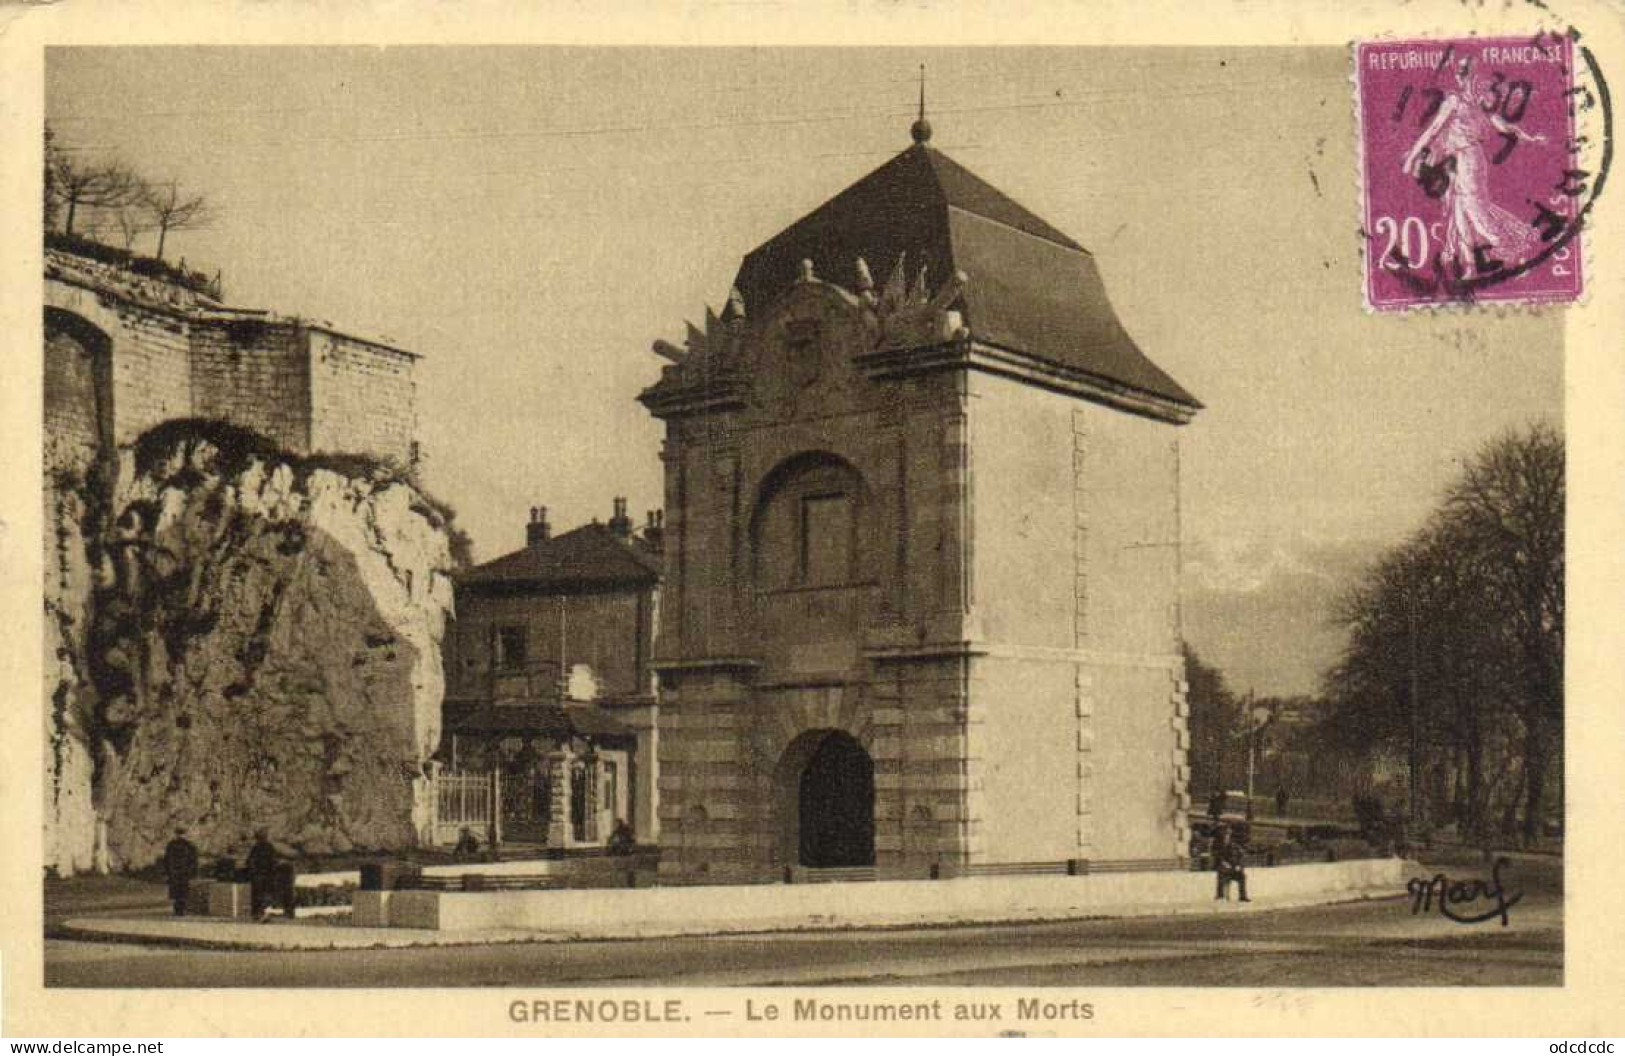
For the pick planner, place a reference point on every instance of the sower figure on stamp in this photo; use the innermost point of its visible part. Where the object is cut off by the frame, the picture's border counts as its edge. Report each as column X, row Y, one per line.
column 262, row 875
column 1229, row 863
column 1454, row 152
column 180, row 866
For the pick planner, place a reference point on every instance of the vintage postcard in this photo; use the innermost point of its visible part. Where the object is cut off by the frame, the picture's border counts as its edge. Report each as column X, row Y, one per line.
column 812, row 521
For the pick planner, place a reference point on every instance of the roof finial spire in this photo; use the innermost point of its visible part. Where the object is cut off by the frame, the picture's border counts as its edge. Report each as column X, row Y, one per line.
column 922, row 128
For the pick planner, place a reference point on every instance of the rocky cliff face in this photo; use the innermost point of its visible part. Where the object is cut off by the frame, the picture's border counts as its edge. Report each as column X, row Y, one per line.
column 254, row 641
column 70, row 818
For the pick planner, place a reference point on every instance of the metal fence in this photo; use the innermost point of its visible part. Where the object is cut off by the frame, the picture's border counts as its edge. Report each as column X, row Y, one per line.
column 463, row 799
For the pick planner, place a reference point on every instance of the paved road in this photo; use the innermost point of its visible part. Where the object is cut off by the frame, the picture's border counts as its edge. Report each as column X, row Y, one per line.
column 1377, row 942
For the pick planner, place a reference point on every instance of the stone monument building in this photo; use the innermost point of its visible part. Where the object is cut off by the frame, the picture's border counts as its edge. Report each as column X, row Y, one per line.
column 922, row 551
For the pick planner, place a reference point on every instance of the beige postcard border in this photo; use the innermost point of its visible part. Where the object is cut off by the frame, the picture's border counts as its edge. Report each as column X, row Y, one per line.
column 1587, row 1005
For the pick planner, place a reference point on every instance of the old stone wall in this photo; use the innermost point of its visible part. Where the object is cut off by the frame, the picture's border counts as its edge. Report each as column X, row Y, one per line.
column 147, row 341
column 704, row 780
column 363, row 397
column 254, row 374
column 728, row 784
column 171, row 355
column 152, row 378
column 926, row 742
column 70, row 697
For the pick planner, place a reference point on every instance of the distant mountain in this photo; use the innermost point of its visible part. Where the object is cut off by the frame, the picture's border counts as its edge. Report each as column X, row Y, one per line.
column 1262, row 612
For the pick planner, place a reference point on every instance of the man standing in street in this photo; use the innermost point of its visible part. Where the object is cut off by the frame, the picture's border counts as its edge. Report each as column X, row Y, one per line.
column 262, row 863
column 180, row 865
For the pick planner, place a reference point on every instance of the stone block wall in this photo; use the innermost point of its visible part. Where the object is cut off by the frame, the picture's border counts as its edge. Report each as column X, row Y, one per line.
column 728, row 790
column 305, row 387
column 363, row 397
column 928, row 749
column 254, row 374
column 703, row 787
column 152, row 377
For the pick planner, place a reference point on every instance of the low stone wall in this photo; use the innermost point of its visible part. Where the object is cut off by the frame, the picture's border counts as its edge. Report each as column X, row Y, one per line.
column 609, row 869
column 674, row 910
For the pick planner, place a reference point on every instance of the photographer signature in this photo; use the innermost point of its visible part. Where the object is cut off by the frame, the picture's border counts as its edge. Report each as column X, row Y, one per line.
column 1470, row 895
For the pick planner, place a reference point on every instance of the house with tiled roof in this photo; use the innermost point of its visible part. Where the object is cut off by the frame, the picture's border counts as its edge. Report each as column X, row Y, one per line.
column 549, row 681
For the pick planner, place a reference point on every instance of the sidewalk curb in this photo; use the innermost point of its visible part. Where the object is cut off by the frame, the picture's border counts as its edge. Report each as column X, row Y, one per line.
column 77, row 931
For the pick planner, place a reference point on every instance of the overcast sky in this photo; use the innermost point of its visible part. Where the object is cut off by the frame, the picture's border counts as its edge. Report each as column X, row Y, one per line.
column 530, row 220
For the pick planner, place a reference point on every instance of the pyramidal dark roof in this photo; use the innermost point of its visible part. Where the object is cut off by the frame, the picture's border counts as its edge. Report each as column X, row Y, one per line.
column 591, row 555
column 1032, row 289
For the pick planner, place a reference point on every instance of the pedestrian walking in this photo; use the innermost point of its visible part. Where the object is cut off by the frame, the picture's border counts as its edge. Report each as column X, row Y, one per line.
column 1280, row 801
column 262, row 875
column 180, row 866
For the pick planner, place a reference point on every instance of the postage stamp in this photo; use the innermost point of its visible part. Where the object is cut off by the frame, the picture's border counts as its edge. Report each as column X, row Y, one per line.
column 1471, row 184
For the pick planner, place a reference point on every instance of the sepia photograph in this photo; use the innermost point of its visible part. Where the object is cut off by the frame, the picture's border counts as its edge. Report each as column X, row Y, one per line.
column 590, row 520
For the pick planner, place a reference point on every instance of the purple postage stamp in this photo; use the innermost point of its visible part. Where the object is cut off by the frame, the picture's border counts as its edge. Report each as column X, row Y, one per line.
column 1472, row 187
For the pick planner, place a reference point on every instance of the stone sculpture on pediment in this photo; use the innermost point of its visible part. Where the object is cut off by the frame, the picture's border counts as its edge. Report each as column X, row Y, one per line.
column 799, row 356
column 801, row 351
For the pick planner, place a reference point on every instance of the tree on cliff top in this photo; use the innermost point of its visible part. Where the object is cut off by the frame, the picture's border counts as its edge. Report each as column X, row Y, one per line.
column 169, row 210
column 53, row 155
column 87, row 184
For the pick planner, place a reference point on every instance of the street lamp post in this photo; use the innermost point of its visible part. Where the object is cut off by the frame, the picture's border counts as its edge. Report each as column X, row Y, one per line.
column 1252, row 746
column 1257, row 719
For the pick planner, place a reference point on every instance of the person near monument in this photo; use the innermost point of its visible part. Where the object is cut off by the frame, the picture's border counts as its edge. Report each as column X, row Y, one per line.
column 262, row 875
column 622, row 839
column 180, row 866
column 1281, row 800
column 1230, row 863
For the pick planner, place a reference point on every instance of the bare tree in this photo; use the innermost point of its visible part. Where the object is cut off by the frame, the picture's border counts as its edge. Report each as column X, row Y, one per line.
column 53, row 159
column 1509, row 505
column 107, row 185
column 169, row 211
column 1455, row 653
column 132, row 222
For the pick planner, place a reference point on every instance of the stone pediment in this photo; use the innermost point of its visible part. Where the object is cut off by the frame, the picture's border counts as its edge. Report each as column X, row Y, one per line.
column 802, row 354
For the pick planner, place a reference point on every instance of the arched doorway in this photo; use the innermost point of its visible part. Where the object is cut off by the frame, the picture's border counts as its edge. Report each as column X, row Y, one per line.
column 827, row 801
column 78, row 387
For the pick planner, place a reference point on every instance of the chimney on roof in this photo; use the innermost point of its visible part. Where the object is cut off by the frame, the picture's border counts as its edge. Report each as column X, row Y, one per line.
column 538, row 530
column 654, row 532
column 621, row 524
